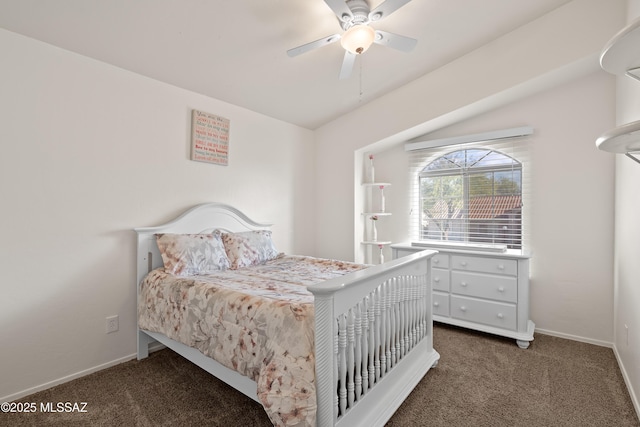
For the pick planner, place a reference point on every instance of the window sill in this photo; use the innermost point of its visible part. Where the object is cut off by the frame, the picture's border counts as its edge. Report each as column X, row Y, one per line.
column 461, row 246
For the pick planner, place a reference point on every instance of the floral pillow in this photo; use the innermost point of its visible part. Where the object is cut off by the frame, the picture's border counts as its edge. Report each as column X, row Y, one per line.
column 192, row 254
column 249, row 248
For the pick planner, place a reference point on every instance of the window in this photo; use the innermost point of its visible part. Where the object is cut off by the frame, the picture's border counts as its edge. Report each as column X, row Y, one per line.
column 472, row 190
column 473, row 196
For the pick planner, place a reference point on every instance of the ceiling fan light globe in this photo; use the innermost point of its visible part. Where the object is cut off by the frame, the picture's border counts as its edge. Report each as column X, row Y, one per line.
column 358, row 38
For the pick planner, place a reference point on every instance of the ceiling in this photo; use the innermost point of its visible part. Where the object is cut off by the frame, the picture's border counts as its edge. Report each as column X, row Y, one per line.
column 235, row 50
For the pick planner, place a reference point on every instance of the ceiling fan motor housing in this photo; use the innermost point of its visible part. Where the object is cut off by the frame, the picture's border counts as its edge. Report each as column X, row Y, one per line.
column 360, row 10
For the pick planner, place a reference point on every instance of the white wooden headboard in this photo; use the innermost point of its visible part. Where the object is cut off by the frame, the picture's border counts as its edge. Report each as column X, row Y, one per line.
column 200, row 219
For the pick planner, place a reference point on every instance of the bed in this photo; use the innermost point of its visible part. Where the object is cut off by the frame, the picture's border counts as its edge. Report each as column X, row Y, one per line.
column 354, row 342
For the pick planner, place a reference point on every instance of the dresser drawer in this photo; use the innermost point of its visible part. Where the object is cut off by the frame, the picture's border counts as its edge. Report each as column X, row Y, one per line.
column 440, row 279
column 440, row 260
column 500, row 288
column 498, row 314
column 485, row 265
column 440, row 304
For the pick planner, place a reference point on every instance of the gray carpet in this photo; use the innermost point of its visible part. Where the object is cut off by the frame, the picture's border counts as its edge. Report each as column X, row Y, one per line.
column 481, row 380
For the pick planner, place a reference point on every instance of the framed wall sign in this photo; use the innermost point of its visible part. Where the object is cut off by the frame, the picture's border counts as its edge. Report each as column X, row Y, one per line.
column 209, row 138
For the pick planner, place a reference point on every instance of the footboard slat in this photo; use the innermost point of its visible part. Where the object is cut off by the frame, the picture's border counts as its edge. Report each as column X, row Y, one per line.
column 365, row 345
column 350, row 358
column 376, row 320
column 388, row 291
column 372, row 341
column 357, row 332
column 334, row 397
column 401, row 324
column 392, row 327
column 342, row 365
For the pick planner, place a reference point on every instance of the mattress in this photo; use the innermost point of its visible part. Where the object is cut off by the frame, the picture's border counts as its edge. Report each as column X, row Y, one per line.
column 258, row 321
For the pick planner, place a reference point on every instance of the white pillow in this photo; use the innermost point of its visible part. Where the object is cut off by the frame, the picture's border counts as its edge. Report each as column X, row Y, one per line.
column 192, row 254
column 249, row 248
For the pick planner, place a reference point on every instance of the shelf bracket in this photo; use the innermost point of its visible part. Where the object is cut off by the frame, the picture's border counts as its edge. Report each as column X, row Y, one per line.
column 634, row 73
column 632, row 157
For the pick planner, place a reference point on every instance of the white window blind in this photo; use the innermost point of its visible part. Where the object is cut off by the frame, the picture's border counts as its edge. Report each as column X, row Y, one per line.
column 471, row 193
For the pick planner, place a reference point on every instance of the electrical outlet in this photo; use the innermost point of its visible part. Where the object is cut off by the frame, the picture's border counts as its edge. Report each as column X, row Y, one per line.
column 112, row 324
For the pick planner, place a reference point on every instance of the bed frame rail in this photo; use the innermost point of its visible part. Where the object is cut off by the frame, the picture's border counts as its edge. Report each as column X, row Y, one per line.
column 375, row 348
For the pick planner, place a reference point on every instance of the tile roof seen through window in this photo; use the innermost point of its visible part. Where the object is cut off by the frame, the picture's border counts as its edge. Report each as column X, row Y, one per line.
column 482, row 207
column 488, row 207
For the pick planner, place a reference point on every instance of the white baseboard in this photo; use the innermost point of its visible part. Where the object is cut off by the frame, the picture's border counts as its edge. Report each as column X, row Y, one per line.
column 63, row 380
column 575, row 338
column 627, row 381
column 15, row 396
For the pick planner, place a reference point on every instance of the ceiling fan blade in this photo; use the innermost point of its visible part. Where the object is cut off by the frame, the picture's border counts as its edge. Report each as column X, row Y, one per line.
column 341, row 9
column 347, row 65
column 313, row 45
column 395, row 41
column 386, row 8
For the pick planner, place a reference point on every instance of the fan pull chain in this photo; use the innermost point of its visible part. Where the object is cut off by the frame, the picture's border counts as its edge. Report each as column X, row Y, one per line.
column 360, row 80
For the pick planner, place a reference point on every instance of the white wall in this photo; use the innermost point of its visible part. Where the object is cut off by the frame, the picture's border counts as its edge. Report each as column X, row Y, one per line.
column 90, row 151
column 556, row 49
column 627, row 239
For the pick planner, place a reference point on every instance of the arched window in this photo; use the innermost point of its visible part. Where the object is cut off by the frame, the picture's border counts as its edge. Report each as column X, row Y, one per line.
column 472, row 195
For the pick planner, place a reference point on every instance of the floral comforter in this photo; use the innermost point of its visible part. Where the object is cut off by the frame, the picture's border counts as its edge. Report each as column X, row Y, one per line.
column 257, row 320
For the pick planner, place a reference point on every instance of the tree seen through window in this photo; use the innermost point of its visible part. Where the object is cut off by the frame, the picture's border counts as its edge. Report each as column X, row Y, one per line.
column 472, row 195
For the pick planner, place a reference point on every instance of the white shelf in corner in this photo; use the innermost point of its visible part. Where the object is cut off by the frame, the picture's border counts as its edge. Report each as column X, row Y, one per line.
column 622, row 139
column 376, row 184
column 621, row 53
column 376, row 243
column 621, row 57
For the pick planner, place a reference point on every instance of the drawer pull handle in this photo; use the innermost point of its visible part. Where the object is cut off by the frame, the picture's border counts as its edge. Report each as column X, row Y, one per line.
column 500, row 316
column 436, row 304
column 463, row 263
column 501, row 267
column 436, row 260
column 463, row 284
column 436, row 279
column 501, row 289
column 463, row 308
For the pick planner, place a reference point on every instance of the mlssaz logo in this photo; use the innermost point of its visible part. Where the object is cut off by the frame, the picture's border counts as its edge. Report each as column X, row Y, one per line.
column 63, row 406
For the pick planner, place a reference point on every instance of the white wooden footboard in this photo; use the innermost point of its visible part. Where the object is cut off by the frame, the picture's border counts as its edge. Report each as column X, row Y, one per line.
column 374, row 340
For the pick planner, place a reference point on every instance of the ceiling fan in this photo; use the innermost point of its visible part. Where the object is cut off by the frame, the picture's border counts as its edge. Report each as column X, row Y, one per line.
column 355, row 17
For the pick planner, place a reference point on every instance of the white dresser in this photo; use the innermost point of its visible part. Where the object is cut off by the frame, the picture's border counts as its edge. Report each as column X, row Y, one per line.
column 485, row 291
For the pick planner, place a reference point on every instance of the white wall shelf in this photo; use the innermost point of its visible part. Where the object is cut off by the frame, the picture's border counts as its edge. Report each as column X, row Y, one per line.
column 376, row 184
column 374, row 207
column 620, row 57
column 622, row 139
